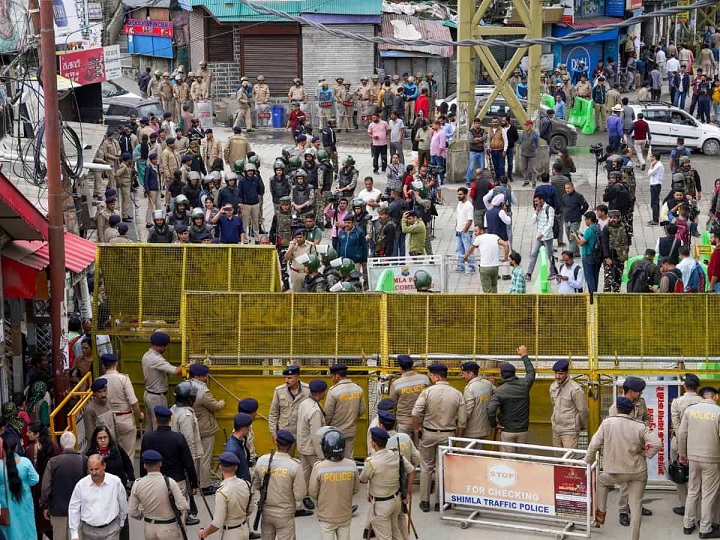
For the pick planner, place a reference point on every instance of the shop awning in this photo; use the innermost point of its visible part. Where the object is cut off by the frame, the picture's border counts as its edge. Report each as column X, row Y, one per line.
column 562, row 29
column 18, row 216
column 413, row 28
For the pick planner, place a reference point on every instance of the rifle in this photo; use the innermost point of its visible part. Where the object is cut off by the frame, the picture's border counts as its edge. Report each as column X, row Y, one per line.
column 263, row 492
column 406, row 508
column 178, row 515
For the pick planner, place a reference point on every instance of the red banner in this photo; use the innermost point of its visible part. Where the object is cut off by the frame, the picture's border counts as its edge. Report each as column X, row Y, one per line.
column 83, row 67
column 144, row 27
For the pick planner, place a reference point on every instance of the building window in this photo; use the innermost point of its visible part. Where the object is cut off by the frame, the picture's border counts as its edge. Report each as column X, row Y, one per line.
column 590, row 8
column 219, row 41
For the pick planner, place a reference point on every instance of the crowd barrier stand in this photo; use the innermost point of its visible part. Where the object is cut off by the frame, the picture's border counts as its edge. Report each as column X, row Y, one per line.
column 541, row 489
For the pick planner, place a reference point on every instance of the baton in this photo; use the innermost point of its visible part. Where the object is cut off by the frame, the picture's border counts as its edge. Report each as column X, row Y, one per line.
column 206, row 504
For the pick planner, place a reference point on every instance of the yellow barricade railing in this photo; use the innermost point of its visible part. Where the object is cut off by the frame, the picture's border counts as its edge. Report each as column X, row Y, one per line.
column 70, row 407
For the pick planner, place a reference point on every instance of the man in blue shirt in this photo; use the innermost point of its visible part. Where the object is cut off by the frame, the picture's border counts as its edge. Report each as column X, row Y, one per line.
column 251, row 190
column 591, row 267
column 615, row 128
column 236, row 444
column 521, row 90
column 230, row 225
column 410, row 94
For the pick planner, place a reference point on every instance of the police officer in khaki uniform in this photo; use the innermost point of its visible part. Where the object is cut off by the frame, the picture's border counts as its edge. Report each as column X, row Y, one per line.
column 207, row 78
column 156, row 370
column 365, row 106
column 311, row 418
column 261, row 95
column 405, row 391
column 124, row 404
column 232, row 503
column 626, row 444
column 285, row 492
column 297, row 92
column 345, row 403
column 104, row 155
column 345, row 105
column 286, row 401
column 98, row 411
column 124, row 180
column 570, row 409
column 166, row 93
column 205, row 407
column 476, row 395
column 182, row 95
column 381, row 471
column 395, row 84
column 184, row 420
column 383, row 405
column 150, row 500
column 169, row 161
column 212, row 148
column 237, row 147
column 632, row 389
column 699, row 447
column 333, row 482
column 438, row 412
column 243, row 113
column 677, row 409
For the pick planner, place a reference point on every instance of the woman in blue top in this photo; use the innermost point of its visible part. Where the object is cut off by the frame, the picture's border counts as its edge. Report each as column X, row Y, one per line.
column 17, row 476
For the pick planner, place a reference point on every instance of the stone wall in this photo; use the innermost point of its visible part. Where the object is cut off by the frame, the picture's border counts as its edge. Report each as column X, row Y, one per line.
column 226, row 77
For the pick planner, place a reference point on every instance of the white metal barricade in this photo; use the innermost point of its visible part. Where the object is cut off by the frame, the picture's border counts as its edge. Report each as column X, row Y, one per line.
column 404, row 269
column 546, row 490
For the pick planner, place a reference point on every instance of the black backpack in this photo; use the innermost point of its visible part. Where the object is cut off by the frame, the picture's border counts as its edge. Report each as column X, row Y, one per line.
column 639, row 280
column 597, row 253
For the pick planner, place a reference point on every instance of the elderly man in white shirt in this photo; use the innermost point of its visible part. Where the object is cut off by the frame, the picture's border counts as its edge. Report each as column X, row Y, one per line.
column 98, row 505
column 569, row 279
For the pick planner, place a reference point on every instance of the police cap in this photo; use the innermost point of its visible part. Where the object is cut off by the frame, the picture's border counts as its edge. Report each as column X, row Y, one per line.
column 338, row 368
column 379, row 434
column 561, row 365
column 387, row 417
column 109, row 200
column 636, row 384
column 292, row 370
column 228, row 459
column 439, row 369
column 199, row 369
column 122, row 228
column 284, row 437
column 386, row 404
column 248, row 405
column 108, row 359
column 151, row 456
column 404, row 360
column 181, row 228
column 241, row 420
column 317, row 386
column 162, row 412
column 624, row 403
column 469, row 366
column 170, row 140
column 507, row 368
column 98, row 384
column 615, row 213
column 160, row 339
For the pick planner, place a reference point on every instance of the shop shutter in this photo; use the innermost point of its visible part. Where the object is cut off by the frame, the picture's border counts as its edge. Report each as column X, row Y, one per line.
column 275, row 57
column 219, row 44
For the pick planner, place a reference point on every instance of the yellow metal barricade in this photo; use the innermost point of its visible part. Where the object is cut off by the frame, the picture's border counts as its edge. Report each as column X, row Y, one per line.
column 70, row 408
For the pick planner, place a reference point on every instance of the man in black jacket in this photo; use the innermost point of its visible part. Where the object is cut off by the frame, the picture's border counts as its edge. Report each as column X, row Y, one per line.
column 329, row 142
column 574, row 207
column 512, row 138
column 509, row 408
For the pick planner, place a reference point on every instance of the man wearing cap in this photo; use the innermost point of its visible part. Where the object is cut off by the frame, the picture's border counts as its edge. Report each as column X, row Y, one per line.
column 626, row 444
column 381, row 471
column 509, row 407
column 156, row 370
column 123, row 402
column 699, row 447
column 285, row 491
column 405, row 391
column 677, row 409
column 177, row 461
column 599, row 98
column 311, row 418
column 165, row 93
column 111, row 231
column 232, row 502
column 237, row 147
column 169, row 161
column 615, row 127
column 98, row 411
column 570, row 409
column 261, row 95
column 345, row 403
column 615, row 243
column 286, row 402
column 364, row 109
column 102, row 219
column 294, row 255
column 110, row 150
column 383, row 405
column 211, row 148
column 476, row 395
column 250, row 406
column 236, row 444
column 124, row 180
column 438, row 412
column 150, row 501
column 205, row 407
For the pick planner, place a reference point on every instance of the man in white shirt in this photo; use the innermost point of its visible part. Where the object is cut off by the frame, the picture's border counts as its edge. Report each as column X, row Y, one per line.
column 98, row 505
column 656, row 172
column 569, row 278
column 543, row 218
column 487, row 245
column 371, row 196
column 686, row 264
column 397, row 130
column 672, row 65
column 463, row 231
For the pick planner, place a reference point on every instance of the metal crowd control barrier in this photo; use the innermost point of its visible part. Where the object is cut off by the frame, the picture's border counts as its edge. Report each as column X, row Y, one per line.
column 531, row 491
column 72, row 407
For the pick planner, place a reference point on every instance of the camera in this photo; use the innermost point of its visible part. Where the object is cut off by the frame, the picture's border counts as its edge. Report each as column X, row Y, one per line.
column 333, row 198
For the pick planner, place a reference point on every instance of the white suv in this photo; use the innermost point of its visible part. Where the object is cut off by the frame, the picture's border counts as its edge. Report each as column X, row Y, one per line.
column 667, row 123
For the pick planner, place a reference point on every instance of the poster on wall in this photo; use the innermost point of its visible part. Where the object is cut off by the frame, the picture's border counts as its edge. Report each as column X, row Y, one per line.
column 15, row 25
column 68, row 15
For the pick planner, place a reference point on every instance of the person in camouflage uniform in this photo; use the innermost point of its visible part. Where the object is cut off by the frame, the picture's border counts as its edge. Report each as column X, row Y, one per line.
column 325, row 183
column 615, row 244
column 692, row 179
column 628, row 178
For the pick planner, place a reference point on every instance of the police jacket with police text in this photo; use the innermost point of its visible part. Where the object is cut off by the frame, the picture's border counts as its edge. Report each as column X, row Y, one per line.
column 509, row 406
column 699, row 434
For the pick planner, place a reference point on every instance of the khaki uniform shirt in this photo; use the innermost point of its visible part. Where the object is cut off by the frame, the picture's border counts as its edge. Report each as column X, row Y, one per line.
column 232, row 501
column 476, row 395
column 237, row 148
column 441, row 407
column 625, row 444
column 111, row 150
column 169, row 163
column 182, row 92
column 364, row 92
column 678, row 407
column 337, row 89
column 640, row 412
column 284, row 408
column 207, row 78
column 286, row 487
column 242, row 98
column 570, row 409
column 261, row 93
column 110, row 233
column 297, row 93
column 310, row 419
column 181, row 145
column 407, row 447
column 332, row 485
column 613, row 98
column 183, row 421
column 154, row 86
column 165, row 90
column 404, row 391
column 699, row 434
column 102, row 223
column 205, row 407
column 147, row 130
column 211, row 151
column 382, row 471
column 97, row 414
column 583, row 90
column 120, row 391
column 123, row 174
column 375, row 91
column 345, row 403
column 149, row 498
column 120, row 240
column 156, row 370
column 196, row 91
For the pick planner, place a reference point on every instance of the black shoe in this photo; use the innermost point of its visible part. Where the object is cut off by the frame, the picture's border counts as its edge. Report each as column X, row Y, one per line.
column 189, row 521
column 689, row 530
column 375, row 171
column 714, row 533
column 128, row 220
column 425, row 506
column 679, row 510
column 262, row 230
column 646, row 511
column 437, row 507
column 210, row 490
column 254, row 536
column 303, row 513
column 625, row 520
column 307, row 503
column 642, row 167
column 525, row 184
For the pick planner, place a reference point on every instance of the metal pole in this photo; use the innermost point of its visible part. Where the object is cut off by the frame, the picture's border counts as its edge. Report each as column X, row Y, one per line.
column 56, row 238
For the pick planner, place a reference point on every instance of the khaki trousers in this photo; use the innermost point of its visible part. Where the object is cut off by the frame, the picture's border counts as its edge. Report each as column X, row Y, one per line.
column 205, row 461
column 408, row 430
column 565, row 440
column 349, row 447
column 307, row 462
column 243, row 118
column 99, row 184
column 167, row 531
column 251, row 214
column 600, row 116
column 126, row 432
column 241, row 533
column 682, row 489
column 331, row 531
column 704, row 482
column 635, row 485
column 296, row 283
column 520, row 438
column 151, row 401
column 60, row 527
column 126, row 201
column 153, row 201
column 276, row 526
column 428, row 454
column 385, row 518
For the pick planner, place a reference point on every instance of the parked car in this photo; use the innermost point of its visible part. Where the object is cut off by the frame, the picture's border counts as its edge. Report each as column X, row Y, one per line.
column 120, row 109
column 668, row 122
column 110, row 90
column 452, row 98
